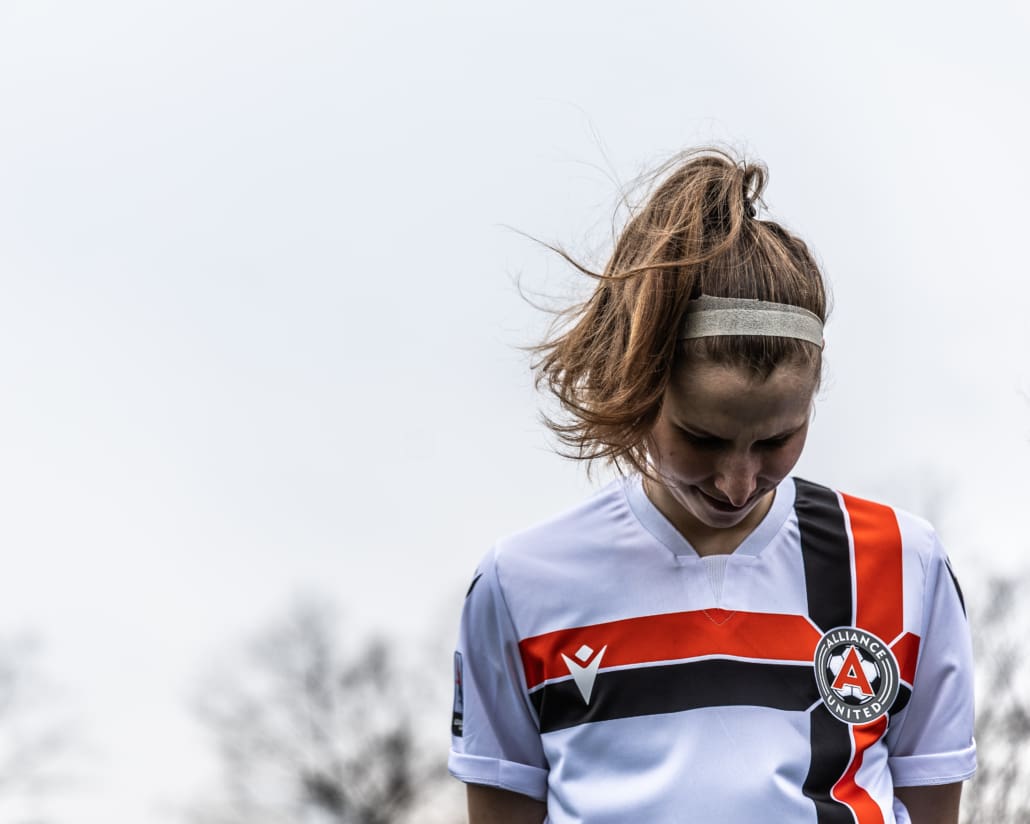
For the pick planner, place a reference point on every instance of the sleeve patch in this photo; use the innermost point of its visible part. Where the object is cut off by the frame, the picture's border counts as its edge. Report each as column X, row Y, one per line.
column 457, row 718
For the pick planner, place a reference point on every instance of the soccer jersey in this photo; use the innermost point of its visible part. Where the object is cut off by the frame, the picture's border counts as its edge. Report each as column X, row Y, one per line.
column 607, row 669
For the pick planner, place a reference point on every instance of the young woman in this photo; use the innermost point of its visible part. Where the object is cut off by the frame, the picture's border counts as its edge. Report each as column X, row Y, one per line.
column 708, row 639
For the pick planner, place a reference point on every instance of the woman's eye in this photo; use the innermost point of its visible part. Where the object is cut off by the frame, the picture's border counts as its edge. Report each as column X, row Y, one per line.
column 700, row 440
column 775, row 443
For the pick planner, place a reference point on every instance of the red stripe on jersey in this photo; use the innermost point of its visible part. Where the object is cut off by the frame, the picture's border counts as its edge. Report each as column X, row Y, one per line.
column 847, row 789
column 906, row 650
column 878, row 568
column 879, row 609
column 670, row 637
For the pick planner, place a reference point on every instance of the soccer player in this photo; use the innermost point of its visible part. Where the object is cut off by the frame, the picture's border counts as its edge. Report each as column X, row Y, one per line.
column 708, row 639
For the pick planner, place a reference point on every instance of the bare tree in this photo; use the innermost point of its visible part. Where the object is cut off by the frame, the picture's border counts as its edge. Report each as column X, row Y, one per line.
column 308, row 732
column 1000, row 792
column 35, row 735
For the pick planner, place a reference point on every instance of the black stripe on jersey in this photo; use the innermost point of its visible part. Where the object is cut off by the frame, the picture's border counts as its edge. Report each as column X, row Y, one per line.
column 831, row 754
column 472, row 586
column 826, row 554
column 654, row 690
column 954, row 580
column 904, row 694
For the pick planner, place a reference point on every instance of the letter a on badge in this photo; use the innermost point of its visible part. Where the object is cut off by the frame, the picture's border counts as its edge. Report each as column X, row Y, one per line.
column 852, row 675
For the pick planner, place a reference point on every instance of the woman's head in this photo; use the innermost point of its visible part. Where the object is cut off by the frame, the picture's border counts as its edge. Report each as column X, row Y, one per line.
column 616, row 358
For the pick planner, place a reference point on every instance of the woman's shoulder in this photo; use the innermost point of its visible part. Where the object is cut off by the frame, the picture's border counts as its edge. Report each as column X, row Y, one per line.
column 567, row 563
column 872, row 515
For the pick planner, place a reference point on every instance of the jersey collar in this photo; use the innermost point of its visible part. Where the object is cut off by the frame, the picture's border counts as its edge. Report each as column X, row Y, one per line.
column 660, row 527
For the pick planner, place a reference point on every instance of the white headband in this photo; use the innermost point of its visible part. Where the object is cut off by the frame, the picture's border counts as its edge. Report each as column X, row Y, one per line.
column 708, row 317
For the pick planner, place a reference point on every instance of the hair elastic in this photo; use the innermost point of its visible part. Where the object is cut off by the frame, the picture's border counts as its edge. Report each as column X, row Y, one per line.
column 709, row 316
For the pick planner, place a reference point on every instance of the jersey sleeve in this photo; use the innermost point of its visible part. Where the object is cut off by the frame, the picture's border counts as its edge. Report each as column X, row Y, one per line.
column 932, row 742
column 495, row 737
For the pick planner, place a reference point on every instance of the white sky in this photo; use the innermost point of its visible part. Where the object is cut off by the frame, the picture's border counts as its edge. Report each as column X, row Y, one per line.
column 258, row 324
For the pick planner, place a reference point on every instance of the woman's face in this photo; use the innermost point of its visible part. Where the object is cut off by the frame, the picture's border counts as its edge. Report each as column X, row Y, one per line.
column 725, row 439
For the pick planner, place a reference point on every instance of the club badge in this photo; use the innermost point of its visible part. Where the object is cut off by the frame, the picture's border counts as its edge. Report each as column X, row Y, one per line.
column 857, row 675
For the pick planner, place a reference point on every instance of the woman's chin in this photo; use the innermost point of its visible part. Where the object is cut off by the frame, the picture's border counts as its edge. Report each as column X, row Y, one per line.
column 716, row 513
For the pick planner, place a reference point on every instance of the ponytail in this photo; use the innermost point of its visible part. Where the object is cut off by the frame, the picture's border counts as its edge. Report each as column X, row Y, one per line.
column 609, row 359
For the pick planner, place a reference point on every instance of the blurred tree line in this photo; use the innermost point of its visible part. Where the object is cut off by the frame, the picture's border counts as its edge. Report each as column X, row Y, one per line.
column 36, row 734
column 1000, row 792
column 312, row 728
column 309, row 732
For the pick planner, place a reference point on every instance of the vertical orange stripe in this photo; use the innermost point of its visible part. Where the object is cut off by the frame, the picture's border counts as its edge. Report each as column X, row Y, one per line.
column 847, row 789
column 906, row 650
column 879, row 609
column 878, row 568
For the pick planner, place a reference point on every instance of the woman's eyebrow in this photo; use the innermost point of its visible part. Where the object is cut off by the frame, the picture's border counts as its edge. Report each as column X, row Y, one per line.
column 786, row 433
column 783, row 435
column 700, row 432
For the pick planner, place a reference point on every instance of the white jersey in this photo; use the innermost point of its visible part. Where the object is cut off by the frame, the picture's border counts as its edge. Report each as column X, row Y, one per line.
column 607, row 669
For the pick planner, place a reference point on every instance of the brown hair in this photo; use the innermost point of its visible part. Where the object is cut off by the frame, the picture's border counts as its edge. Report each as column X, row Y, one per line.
column 608, row 359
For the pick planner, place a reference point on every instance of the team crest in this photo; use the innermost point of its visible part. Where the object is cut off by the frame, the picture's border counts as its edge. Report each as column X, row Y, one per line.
column 857, row 675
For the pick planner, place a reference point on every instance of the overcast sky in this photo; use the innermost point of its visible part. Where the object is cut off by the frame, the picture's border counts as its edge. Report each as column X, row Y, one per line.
column 259, row 327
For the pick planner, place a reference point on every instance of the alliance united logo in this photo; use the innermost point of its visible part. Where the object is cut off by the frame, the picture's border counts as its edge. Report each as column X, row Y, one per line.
column 857, row 675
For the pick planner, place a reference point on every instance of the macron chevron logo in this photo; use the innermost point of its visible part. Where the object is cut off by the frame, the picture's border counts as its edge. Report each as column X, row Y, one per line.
column 582, row 673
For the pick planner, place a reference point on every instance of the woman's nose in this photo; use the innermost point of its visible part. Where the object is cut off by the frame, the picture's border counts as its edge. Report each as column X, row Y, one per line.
column 736, row 477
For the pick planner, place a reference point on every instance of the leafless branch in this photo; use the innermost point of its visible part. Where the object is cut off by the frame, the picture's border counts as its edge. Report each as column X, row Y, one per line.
column 311, row 729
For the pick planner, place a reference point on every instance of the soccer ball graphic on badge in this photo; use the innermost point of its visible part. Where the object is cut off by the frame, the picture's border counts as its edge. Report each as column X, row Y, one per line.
column 856, row 674
column 853, row 676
